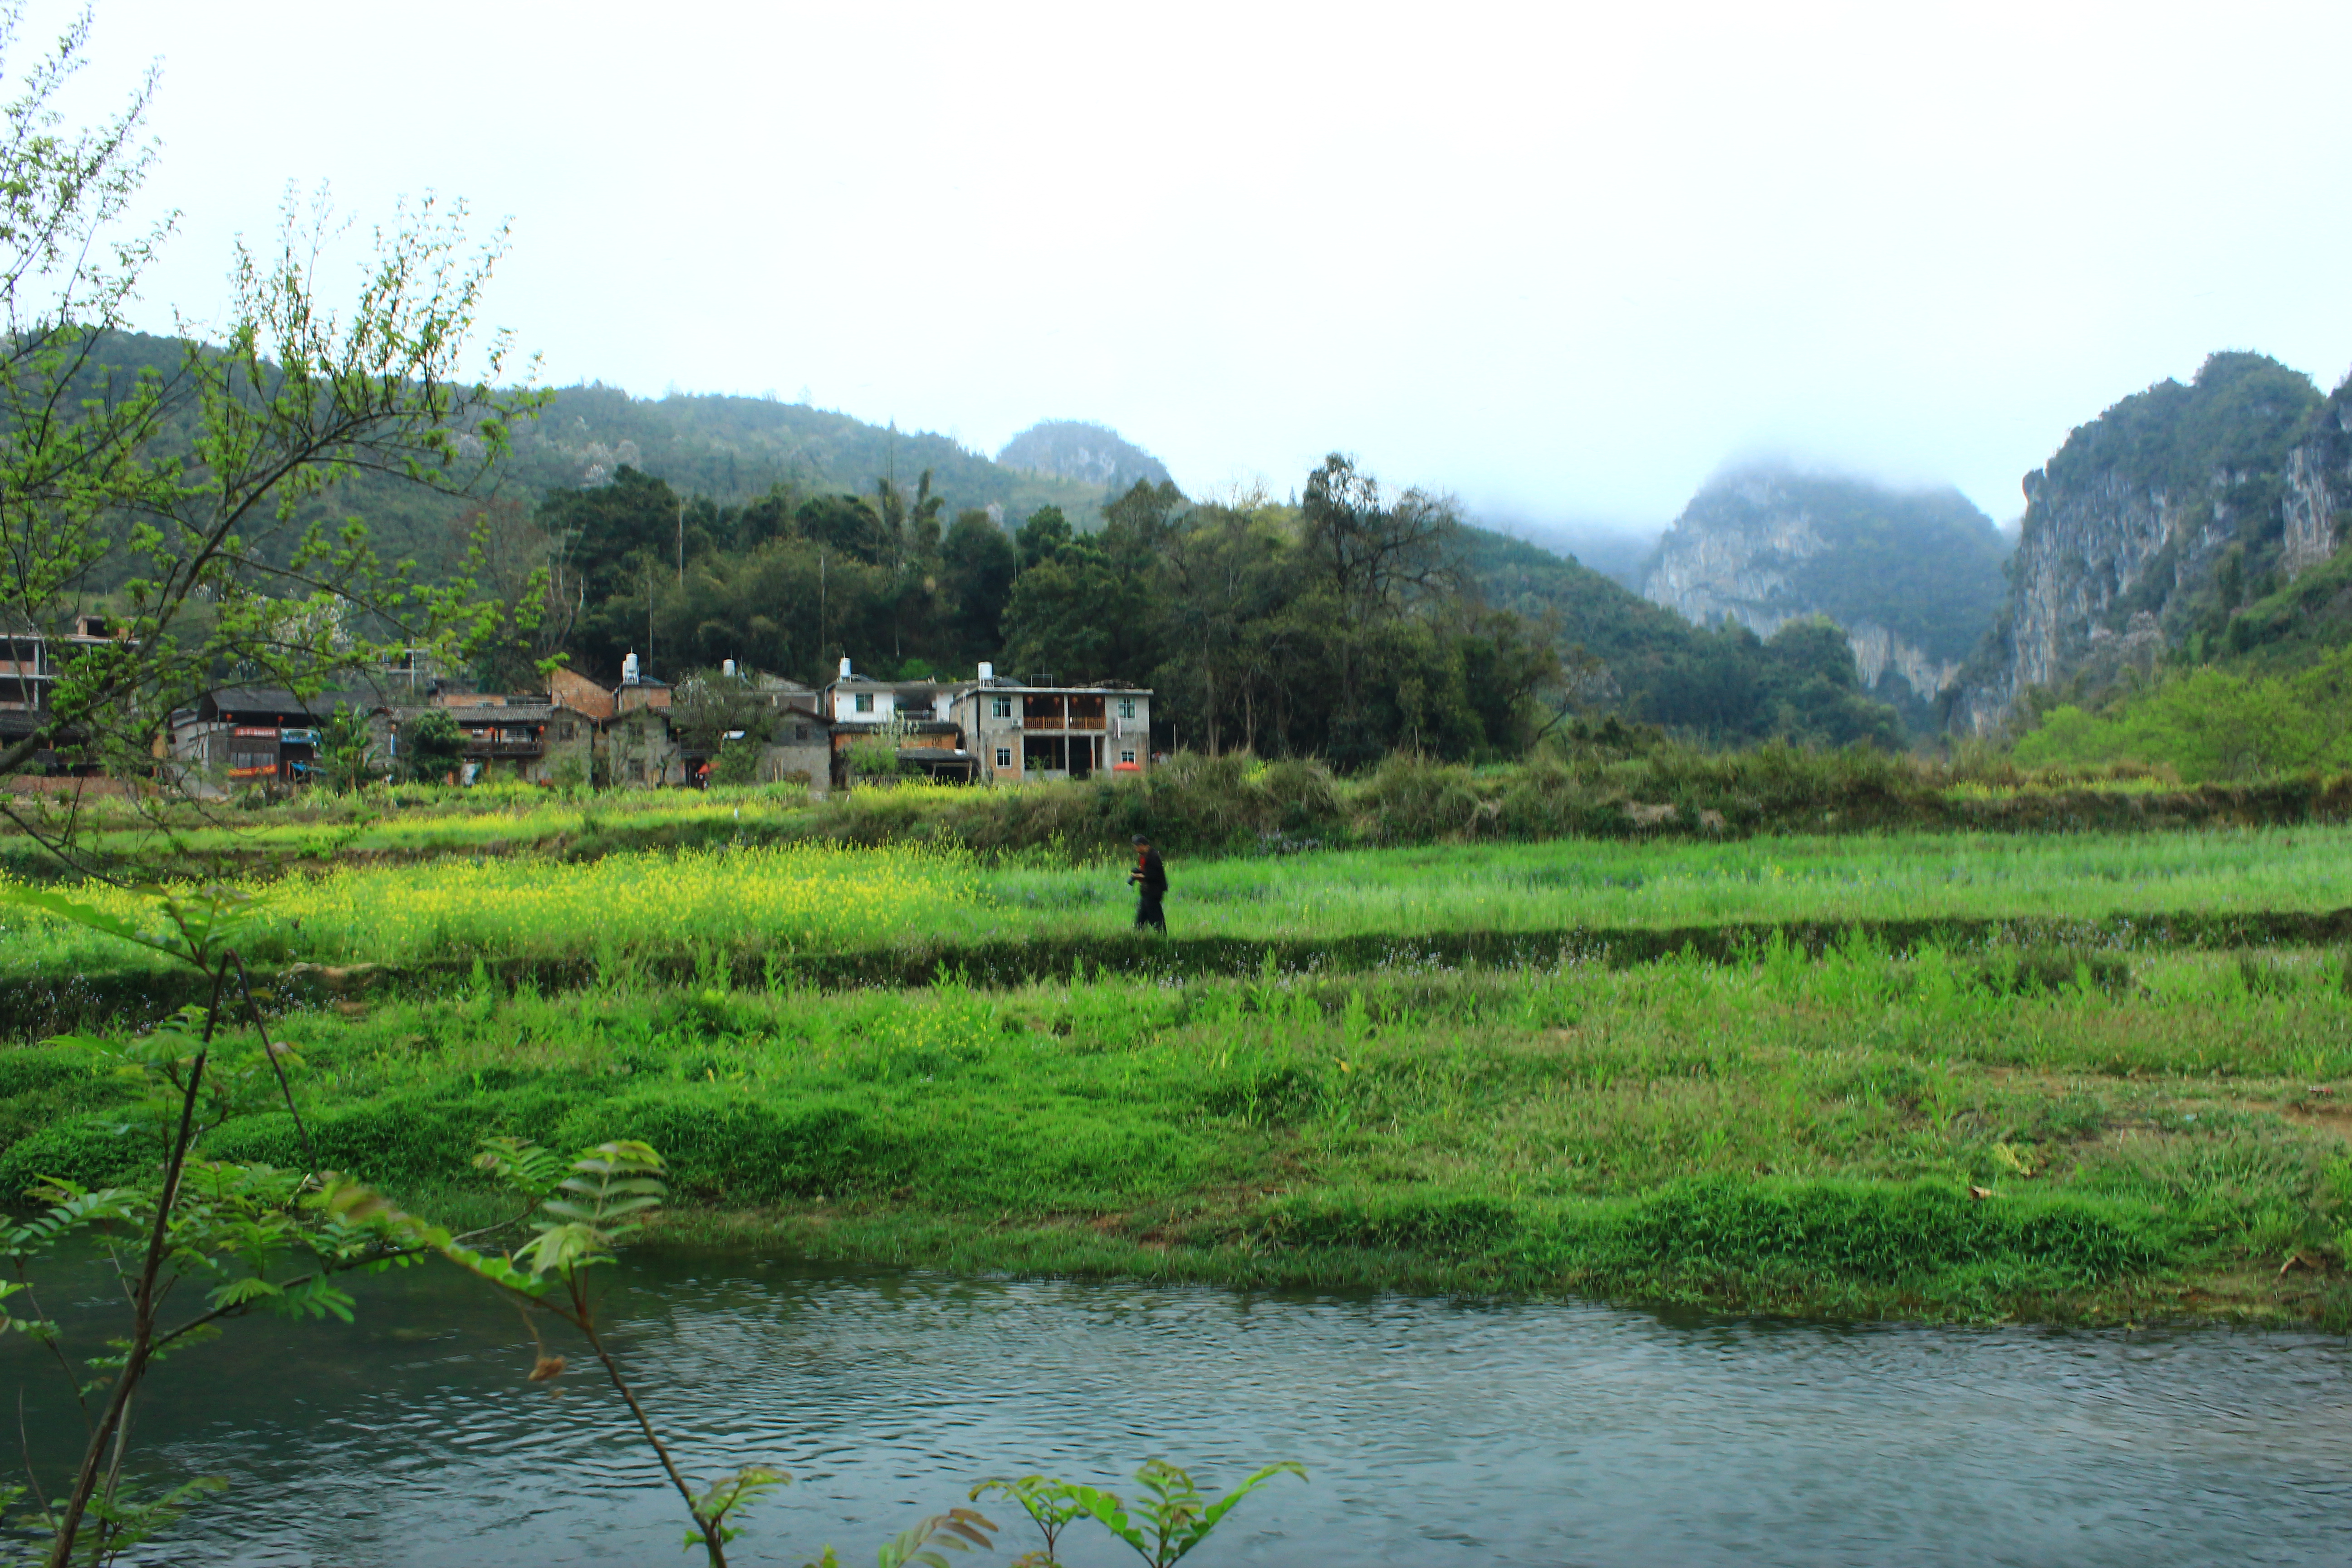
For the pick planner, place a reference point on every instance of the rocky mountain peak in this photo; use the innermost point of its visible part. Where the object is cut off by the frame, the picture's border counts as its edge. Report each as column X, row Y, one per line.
column 1912, row 577
column 2156, row 521
column 1079, row 449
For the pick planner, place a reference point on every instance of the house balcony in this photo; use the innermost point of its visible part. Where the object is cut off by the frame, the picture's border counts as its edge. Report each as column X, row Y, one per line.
column 1072, row 724
column 476, row 750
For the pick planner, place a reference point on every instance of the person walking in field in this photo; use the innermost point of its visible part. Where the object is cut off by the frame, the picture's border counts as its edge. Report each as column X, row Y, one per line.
column 1150, row 879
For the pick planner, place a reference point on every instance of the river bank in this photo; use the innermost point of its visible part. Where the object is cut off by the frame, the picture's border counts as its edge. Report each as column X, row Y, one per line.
column 1935, row 1135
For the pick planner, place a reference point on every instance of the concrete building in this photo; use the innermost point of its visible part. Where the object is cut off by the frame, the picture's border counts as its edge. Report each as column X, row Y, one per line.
column 916, row 716
column 31, row 663
column 1020, row 732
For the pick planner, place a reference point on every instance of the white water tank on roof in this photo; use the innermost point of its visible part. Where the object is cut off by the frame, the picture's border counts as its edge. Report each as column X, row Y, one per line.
column 987, row 672
column 628, row 670
column 845, row 667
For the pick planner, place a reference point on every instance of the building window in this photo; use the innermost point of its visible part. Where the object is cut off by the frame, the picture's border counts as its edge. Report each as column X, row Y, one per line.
column 1001, row 706
column 800, row 731
column 1004, row 757
column 1127, row 710
column 563, row 731
column 1127, row 756
column 866, row 702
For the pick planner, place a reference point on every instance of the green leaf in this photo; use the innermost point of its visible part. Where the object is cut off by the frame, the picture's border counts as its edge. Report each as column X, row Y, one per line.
column 958, row 1530
column 1224, row 1504
column 242, row 1292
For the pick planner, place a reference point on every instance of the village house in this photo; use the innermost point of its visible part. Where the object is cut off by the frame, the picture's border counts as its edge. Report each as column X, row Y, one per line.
column 505, row 734
column 249, row 735
column 916, row 716
column 995, row 729
column 797, row 747
column 31, row 662
column 1020, row 732
column 641, row 750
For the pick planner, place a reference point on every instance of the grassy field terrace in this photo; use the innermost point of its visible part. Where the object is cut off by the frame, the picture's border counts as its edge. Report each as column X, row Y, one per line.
column 2065, row 1076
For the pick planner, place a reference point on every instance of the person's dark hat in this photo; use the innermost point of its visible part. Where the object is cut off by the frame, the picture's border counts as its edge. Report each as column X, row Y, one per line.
column 1140, row 840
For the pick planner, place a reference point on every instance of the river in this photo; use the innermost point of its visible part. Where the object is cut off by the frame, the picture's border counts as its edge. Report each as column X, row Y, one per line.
column 1433, row 1432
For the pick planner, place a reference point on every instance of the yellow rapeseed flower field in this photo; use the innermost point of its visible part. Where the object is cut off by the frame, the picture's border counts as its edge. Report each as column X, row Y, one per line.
column 800, row 894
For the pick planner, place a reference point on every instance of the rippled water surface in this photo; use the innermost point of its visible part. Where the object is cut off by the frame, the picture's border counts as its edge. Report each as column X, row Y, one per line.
column 1433, row 1432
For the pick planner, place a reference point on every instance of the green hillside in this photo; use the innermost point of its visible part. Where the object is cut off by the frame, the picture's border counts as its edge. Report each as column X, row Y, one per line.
column 726, row 450
column 1723, row 685
column 1923, row 564
column 2253, row 675
column 733, row 448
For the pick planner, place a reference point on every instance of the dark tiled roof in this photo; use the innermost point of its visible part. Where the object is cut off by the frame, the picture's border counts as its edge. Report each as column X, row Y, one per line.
column 493, row 713
column 277, row 699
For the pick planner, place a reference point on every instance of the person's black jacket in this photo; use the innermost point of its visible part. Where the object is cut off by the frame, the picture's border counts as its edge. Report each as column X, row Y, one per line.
column 1150, row 874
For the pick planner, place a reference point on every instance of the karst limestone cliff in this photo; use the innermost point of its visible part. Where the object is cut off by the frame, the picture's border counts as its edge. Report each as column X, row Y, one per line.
column 2156, row 521
column 1912, row 577
column 1079, row 449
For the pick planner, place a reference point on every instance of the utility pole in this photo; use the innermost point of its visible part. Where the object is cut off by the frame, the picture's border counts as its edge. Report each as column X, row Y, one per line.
column 681, row 542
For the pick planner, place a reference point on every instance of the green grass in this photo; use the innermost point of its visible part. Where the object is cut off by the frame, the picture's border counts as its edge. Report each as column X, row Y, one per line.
column 815, row 898
column 1637, row 787
column 1788, row 1133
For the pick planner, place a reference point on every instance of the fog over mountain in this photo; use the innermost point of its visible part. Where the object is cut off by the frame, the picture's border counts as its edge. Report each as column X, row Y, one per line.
column 1619, row 551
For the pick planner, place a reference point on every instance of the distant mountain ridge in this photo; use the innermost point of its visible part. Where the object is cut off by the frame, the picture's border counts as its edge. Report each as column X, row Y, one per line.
column 1912, row 577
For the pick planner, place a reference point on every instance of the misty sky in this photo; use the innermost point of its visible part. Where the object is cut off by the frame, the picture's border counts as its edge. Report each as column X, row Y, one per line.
column 1563, row 260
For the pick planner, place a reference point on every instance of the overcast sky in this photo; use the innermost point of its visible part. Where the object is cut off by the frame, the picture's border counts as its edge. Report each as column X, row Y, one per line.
column 1564, row 260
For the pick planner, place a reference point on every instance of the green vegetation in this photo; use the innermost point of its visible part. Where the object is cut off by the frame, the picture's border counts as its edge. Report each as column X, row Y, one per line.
column 1924, row 564
column 2076, row 1076
column 1594, row 782
column 2211, row 725
column 1949, row 1133
column 793, row 909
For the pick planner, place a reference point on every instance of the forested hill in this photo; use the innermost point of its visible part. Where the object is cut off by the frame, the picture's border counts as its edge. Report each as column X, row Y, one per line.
column 1722, row 684
column 727, row 449
column 733, row 448
column 1913, row 576
column 2158, row 530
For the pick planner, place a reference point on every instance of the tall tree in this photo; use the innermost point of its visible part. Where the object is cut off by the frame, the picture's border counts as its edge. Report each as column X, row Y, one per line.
column 1368, row 560
column 980, row 562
